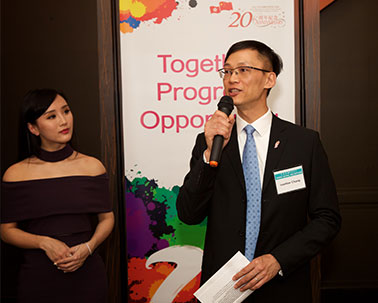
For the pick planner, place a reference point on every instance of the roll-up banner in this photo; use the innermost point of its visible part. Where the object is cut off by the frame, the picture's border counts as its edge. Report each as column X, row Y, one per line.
column 170, row 53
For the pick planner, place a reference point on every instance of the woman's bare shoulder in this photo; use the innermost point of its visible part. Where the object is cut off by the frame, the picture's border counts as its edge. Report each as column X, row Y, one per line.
column 91, row 165
column 17, row 171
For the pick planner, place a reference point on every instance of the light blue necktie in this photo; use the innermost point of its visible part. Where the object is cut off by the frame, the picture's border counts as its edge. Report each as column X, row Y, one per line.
column 253, row 190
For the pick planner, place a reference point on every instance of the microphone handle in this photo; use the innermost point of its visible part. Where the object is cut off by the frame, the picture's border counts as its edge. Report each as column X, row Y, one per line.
column 216, row 150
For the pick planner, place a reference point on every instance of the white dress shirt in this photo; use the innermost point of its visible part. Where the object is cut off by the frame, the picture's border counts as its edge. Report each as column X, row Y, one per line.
column 261, row 135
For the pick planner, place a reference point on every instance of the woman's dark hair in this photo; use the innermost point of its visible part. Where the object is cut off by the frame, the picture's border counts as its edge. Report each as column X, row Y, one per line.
column 264, row 51
column 34, row 104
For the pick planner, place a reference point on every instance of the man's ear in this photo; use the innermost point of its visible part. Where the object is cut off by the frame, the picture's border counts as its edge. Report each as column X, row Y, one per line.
column 33, row 129
column 270, row 80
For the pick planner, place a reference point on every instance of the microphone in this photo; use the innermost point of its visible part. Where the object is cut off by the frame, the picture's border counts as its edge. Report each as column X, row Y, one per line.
column 225, row 105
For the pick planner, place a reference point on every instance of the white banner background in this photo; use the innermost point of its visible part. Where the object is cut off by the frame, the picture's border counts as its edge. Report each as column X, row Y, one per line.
column 170, row 86
column 192, row 33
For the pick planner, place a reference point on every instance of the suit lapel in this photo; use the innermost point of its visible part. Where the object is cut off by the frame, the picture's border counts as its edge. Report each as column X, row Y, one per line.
column 232, row 152
column 277, row 142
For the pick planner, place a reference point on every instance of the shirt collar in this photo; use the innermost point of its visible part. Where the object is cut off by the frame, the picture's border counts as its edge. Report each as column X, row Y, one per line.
column 261, row 125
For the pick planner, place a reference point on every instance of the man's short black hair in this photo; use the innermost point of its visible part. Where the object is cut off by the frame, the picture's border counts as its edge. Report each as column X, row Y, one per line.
column 264, row 50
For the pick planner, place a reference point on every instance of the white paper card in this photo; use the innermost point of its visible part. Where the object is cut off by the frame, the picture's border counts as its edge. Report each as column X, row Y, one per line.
column 220, row 287
column 289, row 179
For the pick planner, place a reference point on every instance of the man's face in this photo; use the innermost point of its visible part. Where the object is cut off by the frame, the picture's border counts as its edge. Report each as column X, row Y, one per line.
column 247, row 87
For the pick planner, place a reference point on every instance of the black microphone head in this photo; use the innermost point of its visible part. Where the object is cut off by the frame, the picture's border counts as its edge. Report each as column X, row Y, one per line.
column 226, row 105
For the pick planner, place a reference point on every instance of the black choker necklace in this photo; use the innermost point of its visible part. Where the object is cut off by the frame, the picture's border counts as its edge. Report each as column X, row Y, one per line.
column 55, row 156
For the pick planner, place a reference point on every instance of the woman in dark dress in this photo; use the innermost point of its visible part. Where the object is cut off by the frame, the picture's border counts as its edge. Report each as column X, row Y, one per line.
column 48, row 200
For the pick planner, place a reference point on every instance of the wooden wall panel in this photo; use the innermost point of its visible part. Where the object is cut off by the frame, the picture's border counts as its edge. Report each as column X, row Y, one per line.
column 308, row 87
column 311, row 31
column 351, row 259
column 349, row 107
column 111, row 142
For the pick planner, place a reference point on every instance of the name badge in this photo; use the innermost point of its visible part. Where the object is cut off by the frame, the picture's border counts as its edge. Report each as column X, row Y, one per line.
column 289, row 179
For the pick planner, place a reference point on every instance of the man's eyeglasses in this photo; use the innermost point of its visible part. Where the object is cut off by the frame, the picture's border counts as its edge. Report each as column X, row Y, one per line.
column 242, row 71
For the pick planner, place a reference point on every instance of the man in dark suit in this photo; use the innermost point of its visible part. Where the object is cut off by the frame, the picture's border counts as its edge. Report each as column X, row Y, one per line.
column 297, row 209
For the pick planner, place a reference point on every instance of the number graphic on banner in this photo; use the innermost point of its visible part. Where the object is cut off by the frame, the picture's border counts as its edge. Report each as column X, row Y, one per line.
column 243, row 20
column 188, row 260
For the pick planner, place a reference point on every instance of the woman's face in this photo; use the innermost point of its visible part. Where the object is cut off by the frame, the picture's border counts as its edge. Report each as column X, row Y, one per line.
column 55, row 126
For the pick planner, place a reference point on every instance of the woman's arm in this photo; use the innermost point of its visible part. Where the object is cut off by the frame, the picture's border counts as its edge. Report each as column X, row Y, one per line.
column 53, row 248
column 82, row 251
column 103, row 229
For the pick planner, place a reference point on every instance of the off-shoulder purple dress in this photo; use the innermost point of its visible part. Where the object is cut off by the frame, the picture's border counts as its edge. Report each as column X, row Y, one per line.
column 59, row 208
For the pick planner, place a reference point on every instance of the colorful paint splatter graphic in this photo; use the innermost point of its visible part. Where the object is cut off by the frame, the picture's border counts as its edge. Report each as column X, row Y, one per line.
column 133, row 12
column 143, row 283
column 153, row 225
